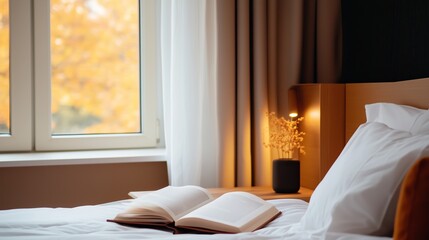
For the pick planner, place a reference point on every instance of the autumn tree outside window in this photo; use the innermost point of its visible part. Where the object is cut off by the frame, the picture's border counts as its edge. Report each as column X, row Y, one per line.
column 95, row 83
column 4, row 67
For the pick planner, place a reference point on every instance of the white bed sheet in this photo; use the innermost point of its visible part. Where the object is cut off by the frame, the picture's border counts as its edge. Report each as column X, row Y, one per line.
column 89, row 222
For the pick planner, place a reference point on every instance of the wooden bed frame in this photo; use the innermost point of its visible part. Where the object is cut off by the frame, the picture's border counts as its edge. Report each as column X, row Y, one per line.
column 333, row 112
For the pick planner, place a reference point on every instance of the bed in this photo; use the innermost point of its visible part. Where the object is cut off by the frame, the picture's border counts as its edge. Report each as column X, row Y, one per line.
column 374, row 190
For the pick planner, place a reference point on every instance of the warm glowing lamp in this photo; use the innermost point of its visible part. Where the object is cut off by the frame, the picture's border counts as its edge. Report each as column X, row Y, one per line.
column 293, row 115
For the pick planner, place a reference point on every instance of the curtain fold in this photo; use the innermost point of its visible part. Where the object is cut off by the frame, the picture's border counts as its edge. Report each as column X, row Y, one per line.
column 188, row 66
column 224, row 65
column 274, row 44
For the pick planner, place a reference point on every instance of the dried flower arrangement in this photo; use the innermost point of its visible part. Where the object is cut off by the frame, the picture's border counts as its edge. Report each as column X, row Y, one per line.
column 285, row 135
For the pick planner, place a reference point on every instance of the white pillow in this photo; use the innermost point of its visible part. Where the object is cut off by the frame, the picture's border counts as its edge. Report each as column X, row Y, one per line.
column 421, row 125
column 354, row 195
column 400, row 117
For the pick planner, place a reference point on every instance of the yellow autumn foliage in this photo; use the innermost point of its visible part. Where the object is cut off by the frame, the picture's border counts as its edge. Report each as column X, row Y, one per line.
column 4, row 65
column 94, row 66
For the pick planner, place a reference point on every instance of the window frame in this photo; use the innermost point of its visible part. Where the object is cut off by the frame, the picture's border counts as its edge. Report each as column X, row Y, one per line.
column 31, row 86
column 20, row 84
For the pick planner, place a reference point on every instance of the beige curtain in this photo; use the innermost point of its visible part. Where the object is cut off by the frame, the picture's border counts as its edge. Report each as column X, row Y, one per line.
column 264, row 47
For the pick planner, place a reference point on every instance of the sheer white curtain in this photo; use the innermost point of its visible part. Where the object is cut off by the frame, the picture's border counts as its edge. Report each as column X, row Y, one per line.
column 188, row 62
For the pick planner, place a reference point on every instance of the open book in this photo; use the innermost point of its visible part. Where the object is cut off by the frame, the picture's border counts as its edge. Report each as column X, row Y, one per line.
column 192, row 207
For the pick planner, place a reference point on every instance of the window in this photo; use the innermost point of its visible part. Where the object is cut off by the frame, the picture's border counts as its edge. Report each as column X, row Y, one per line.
column 4, row 68
column 15, row 65
column 94, row 77
column 95, row 82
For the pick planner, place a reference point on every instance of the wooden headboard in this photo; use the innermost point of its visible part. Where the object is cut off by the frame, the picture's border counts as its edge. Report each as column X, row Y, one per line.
column 412, row 92
column 333, row 112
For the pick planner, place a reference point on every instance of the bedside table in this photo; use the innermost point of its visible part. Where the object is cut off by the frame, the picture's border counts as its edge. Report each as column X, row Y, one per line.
column 266, row 193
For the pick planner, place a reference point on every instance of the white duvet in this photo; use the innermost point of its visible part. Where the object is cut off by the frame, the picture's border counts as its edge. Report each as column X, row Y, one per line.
column 89, row 222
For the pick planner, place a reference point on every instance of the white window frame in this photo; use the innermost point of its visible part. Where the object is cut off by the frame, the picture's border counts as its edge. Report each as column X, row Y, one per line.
column 31, row 130
column 21, row 129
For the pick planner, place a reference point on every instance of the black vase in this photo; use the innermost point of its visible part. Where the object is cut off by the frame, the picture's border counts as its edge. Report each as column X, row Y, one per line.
column 286, row 175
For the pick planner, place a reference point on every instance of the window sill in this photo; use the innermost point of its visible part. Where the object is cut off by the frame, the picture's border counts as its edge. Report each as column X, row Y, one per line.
column 81, row 157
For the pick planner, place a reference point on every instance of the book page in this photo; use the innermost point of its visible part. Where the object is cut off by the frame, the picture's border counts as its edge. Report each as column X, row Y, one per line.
column 231, row 212
column 172, row 202
column 145, row 212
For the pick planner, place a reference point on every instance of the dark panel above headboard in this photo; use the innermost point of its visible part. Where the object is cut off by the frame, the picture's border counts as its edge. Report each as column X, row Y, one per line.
column 385, row 40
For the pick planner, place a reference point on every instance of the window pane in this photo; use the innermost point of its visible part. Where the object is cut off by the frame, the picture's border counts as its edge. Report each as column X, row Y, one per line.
column 95, row 66
column 4, row 68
